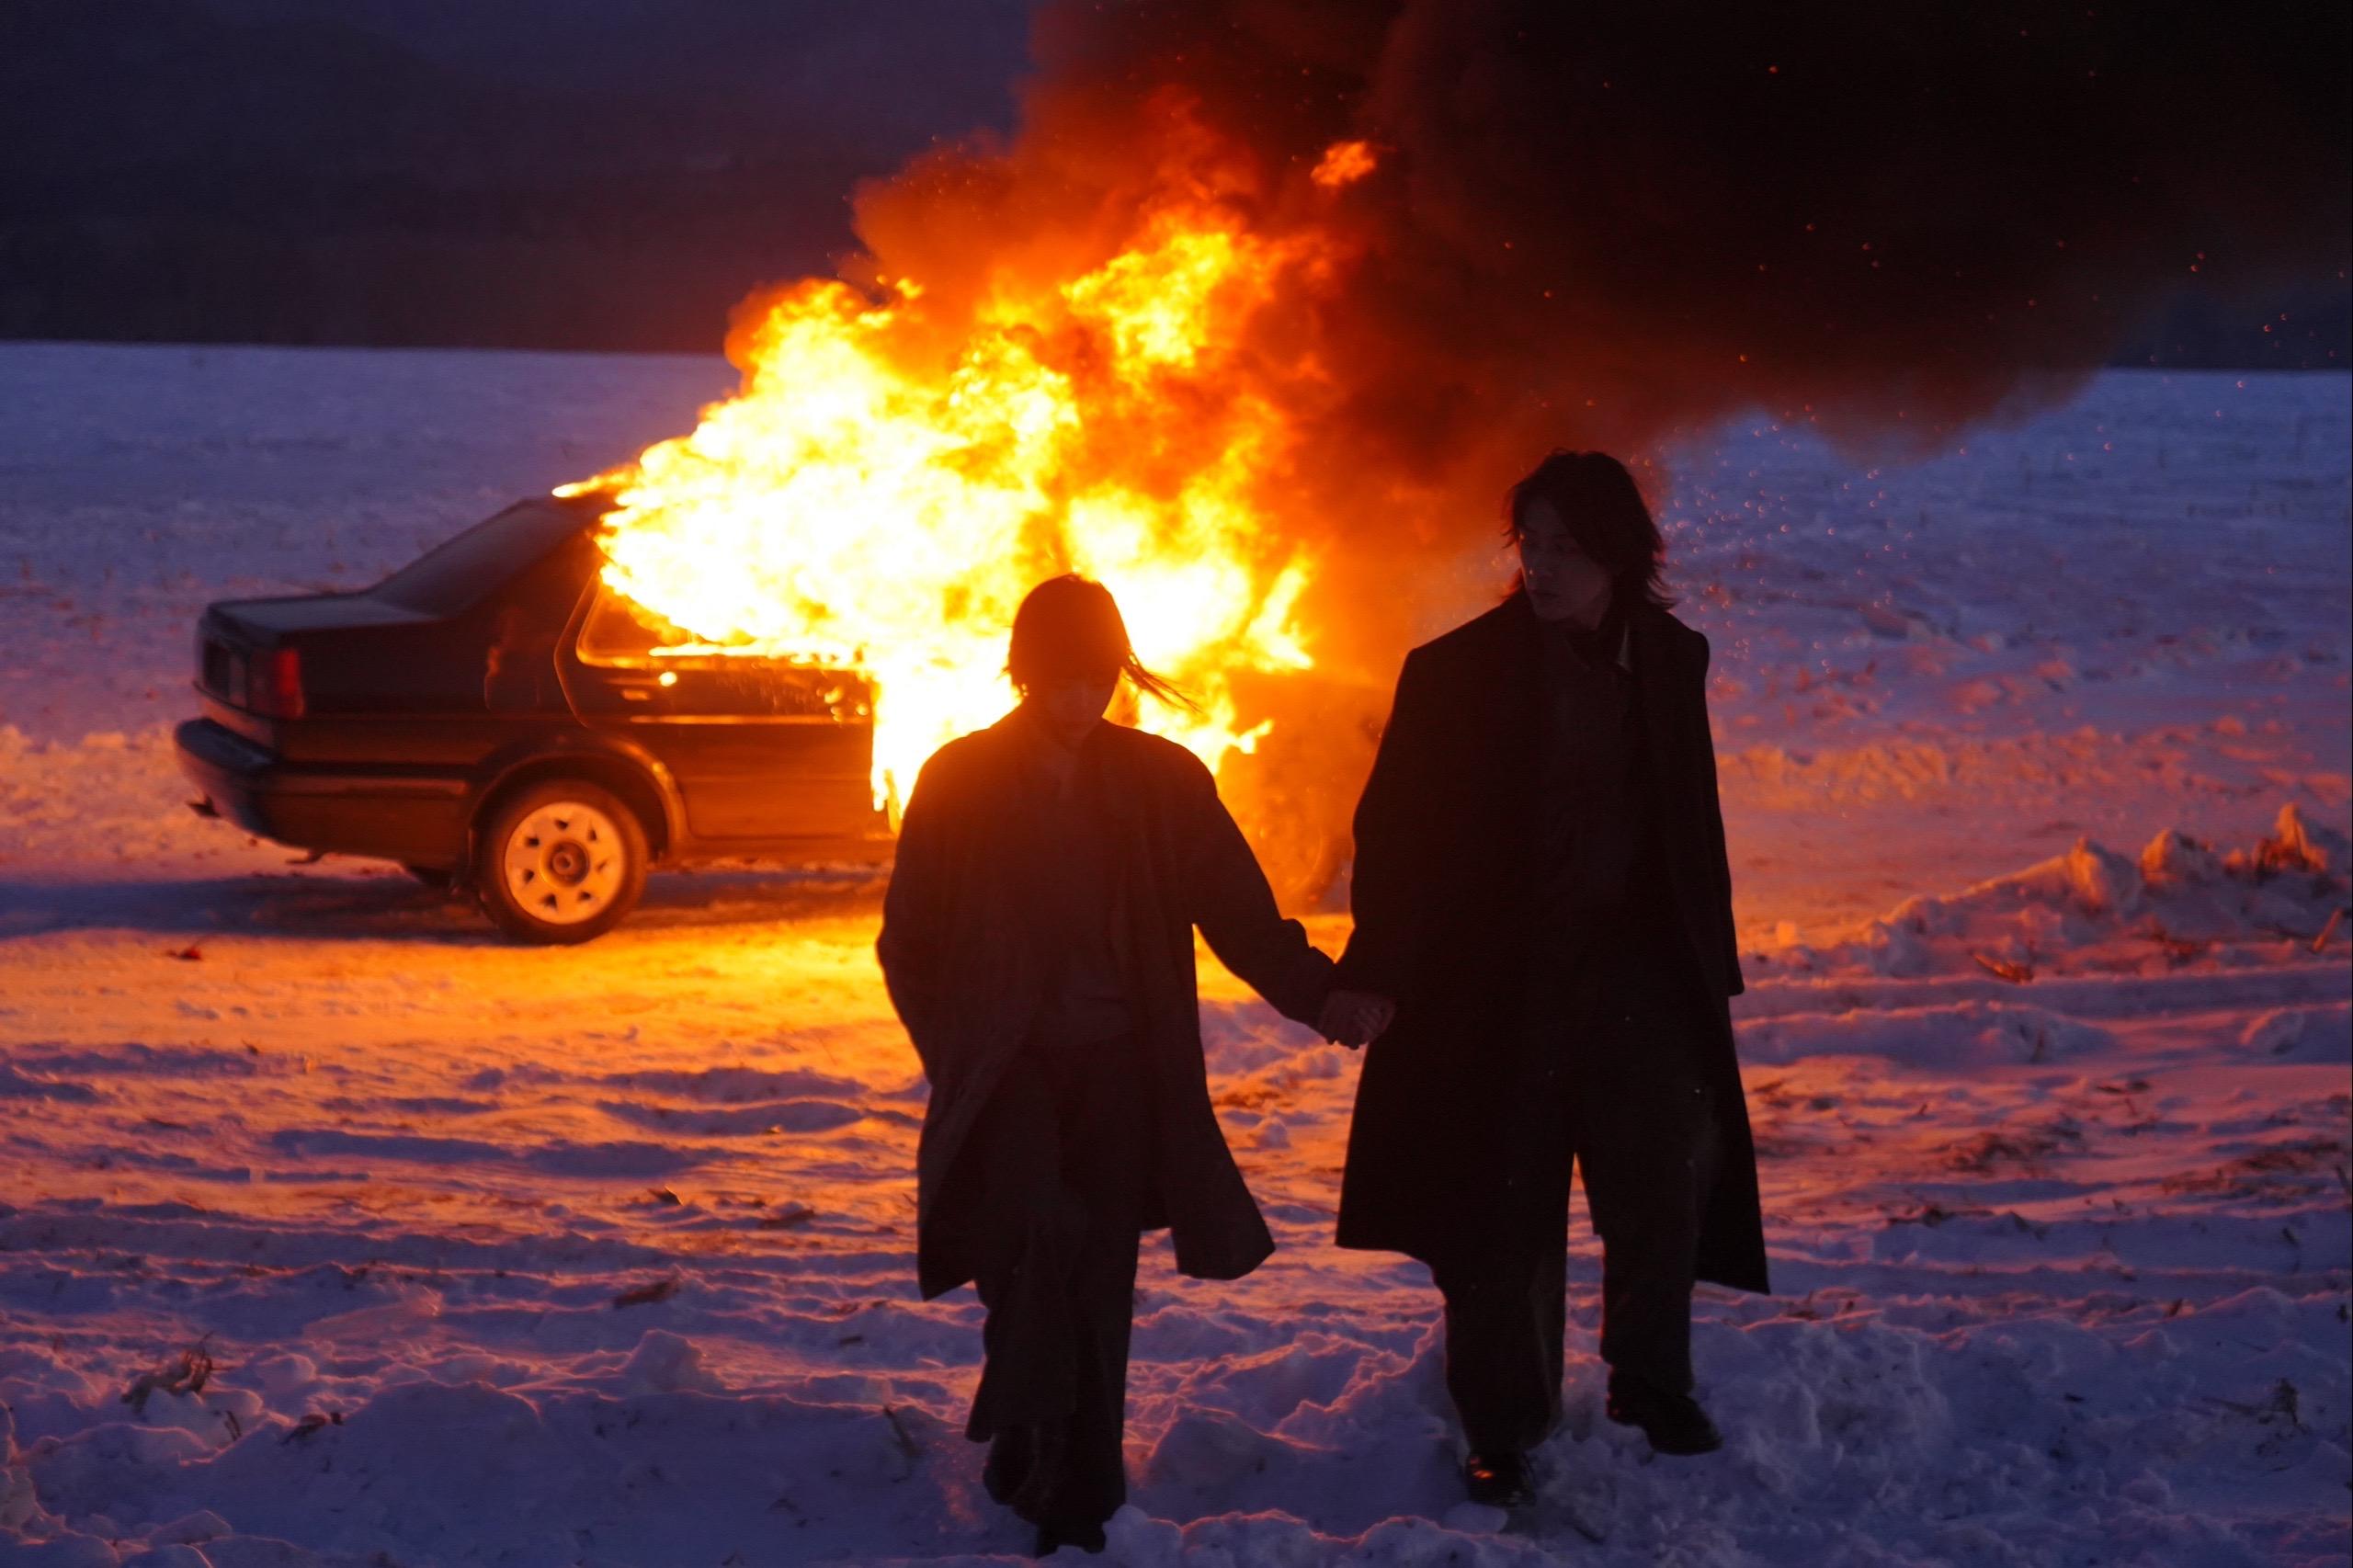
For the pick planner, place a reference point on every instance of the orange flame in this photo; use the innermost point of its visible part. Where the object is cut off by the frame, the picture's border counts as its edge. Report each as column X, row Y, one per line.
column 1345, row 163
column 866, row 501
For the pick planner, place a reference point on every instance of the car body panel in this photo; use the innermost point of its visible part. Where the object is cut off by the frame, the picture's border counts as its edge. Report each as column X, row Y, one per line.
column 418, row 816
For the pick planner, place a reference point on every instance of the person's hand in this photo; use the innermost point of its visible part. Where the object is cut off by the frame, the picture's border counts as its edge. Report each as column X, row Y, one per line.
column 1355, row 1018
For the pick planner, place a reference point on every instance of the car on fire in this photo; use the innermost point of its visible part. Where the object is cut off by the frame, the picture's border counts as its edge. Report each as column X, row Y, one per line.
column 498, row 718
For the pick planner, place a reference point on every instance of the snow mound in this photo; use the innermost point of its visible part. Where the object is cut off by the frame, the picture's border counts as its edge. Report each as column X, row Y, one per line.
column 2091, row 910
column 665, row 1363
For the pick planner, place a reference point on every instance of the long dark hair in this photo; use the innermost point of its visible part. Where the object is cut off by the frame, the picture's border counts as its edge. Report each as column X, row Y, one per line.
column 1594, row 494
column 1071, row 627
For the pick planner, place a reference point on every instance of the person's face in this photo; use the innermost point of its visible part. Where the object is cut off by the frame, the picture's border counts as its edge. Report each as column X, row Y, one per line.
column 1563, row 583
column 1072, row 706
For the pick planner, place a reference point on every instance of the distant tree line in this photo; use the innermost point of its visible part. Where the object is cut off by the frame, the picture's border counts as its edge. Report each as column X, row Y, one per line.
column 539, row 173
column 625, row 266
column 549, row 173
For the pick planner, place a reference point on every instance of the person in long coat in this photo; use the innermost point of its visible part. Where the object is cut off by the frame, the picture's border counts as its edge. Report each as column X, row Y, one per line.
column 1541, row 890
column 1038, row 943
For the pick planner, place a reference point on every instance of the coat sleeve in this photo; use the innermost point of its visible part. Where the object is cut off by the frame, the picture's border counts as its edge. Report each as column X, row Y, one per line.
column 911, row 945
column 1390, row 884
column 1228, row 898
column 1703, row 740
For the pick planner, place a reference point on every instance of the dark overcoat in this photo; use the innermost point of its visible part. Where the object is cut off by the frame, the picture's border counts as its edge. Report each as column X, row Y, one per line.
column 963, row 951
column 1445, row 902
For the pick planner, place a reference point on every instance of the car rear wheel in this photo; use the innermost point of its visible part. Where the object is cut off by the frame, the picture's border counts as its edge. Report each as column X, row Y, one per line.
column 560, row 861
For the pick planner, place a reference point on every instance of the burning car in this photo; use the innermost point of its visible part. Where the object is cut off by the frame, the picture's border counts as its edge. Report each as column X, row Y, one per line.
column 494, row 716
column 745, row 642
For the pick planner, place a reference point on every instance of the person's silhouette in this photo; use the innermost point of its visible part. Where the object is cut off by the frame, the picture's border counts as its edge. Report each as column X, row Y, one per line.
column 1037, row 940
column 1542, row 888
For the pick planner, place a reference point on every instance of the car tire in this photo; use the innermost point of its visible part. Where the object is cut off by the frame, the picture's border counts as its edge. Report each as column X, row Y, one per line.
column 560, row 861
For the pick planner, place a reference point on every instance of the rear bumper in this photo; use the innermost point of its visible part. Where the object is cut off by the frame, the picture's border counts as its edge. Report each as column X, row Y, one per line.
column 398, row 814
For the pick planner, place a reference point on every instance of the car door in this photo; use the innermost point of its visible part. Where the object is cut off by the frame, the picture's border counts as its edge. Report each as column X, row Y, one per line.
column 762, row 749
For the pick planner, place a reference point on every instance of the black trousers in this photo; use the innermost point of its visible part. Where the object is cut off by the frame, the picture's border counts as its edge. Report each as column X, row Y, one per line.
column 1612, row 1089
column 1063, row 1159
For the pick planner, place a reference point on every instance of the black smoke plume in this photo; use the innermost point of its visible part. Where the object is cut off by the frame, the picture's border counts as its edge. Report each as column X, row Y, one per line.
column 1593, row 226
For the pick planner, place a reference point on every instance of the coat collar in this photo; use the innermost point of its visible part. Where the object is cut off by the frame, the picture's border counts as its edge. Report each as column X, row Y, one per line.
column 1518, row 620
column 1011, row 744
column 1652, row 642
column 1649, row 649
column 1016, row 738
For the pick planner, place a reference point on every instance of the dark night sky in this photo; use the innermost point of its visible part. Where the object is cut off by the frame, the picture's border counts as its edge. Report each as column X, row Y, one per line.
column 553, row 173
column 590, row 174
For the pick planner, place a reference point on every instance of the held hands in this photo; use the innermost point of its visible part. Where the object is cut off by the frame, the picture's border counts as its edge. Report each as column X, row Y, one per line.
column 1355, row 1018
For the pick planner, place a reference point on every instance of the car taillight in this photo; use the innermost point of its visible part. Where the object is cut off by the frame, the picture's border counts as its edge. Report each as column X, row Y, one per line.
column 277, row 683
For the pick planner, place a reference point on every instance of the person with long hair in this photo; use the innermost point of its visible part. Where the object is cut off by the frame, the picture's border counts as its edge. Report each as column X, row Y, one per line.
column 1038, row 943
column 1542, row 891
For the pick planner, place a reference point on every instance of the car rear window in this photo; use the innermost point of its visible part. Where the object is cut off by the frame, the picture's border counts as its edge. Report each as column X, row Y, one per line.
column 454, row 576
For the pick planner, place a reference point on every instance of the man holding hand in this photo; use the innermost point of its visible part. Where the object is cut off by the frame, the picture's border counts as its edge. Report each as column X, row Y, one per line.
column 1544, row 948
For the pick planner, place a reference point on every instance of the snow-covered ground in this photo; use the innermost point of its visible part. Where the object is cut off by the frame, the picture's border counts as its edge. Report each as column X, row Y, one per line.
column 334, row 1231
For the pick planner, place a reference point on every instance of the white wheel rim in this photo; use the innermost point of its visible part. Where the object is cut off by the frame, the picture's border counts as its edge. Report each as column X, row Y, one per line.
column 564, row 862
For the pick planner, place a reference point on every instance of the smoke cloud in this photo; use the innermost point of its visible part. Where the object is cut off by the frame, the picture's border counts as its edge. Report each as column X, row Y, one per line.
column 1595, row 225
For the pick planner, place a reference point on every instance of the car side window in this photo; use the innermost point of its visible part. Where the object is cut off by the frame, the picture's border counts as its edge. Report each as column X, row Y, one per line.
column 618, row 632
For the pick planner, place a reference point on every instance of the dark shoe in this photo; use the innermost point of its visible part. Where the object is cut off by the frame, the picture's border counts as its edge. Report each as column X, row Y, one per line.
column 1053, row 1537
column 1672, row 1422
column 1499, row 1480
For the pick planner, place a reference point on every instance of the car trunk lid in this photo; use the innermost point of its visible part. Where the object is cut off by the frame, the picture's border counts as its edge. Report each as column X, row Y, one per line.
column 264, row 623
